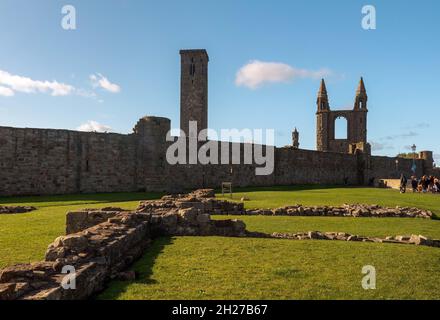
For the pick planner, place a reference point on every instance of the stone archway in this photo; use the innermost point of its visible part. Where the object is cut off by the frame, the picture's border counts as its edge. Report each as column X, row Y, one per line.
column 341, row 128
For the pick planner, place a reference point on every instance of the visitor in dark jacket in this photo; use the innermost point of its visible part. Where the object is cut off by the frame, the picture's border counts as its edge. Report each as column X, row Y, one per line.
column 425, row 184
column 403, row 182
column 414, row 183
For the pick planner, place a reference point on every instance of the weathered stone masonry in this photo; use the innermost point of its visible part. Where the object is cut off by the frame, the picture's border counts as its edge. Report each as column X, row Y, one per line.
column 16, row 209
column 103, row 251
column 39, row 161
column 48, row 161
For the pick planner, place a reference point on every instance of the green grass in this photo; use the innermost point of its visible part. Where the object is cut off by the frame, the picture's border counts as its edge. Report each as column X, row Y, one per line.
column 214, row 267
column 273, row 197
column 228, row 268
column 24, row 237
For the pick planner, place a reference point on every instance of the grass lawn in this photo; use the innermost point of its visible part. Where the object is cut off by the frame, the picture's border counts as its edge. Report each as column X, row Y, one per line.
column 214, row 267
column 274, row 197
column 25, row 237
column 228, row 268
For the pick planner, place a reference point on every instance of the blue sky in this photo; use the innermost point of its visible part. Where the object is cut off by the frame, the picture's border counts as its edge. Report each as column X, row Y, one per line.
column 133, row 47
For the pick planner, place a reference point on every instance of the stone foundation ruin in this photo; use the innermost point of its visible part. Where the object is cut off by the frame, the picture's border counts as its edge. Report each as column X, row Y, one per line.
column 16, row 209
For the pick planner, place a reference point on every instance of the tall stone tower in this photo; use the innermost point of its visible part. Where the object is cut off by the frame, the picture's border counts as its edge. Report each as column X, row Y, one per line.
column 360, row 111
column 322, row 116
column 194, row 89
column 356, row 123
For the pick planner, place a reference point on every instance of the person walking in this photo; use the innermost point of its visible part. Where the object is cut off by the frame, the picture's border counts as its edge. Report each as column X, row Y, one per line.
column 403, row 182
column 435, row 186
column 425, row 184
column 431, row 183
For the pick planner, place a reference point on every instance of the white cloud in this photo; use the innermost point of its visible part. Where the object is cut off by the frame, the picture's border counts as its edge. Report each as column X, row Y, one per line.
column 93, row 126
column 256, row 73
column 11, row 84
column 17, row 83
column 6, row 92
column 86, row 93
column 409, row 134
column 98, row 80
column 377, row 146
column 421, row 125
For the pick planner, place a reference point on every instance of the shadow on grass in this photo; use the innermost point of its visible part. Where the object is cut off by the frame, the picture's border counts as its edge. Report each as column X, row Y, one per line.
column 93, row 197
column 143, row 268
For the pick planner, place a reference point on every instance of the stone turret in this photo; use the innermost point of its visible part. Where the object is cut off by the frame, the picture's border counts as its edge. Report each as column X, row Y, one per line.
column 151, row 133
column 428, row 157
column 295, row 139
column 322, row 118
column 361, row 96
column 322, row 100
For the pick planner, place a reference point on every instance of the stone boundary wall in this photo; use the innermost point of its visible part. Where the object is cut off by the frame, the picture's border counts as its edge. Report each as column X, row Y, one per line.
column 434, row 172
column 381, row 167
column 49, row 161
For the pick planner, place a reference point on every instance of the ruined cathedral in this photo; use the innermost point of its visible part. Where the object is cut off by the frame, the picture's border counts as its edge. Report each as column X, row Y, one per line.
column 50, row 161
column 356, row 123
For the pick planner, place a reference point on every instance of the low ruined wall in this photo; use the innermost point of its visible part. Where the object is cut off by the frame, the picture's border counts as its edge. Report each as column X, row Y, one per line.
column 223, row 207
column 342, row 236
column 101, row 253
column 80, row 220
column 347, row 210
column 97, row 255
column 16, row 209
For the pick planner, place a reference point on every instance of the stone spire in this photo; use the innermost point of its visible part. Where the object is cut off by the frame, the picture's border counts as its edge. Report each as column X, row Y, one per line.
column 322, row 100
column 322, row 89
column 361, row 96
column 361, row 88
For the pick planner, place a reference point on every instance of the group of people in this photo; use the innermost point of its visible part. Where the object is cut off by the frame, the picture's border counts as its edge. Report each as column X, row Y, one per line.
column 423, row 185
